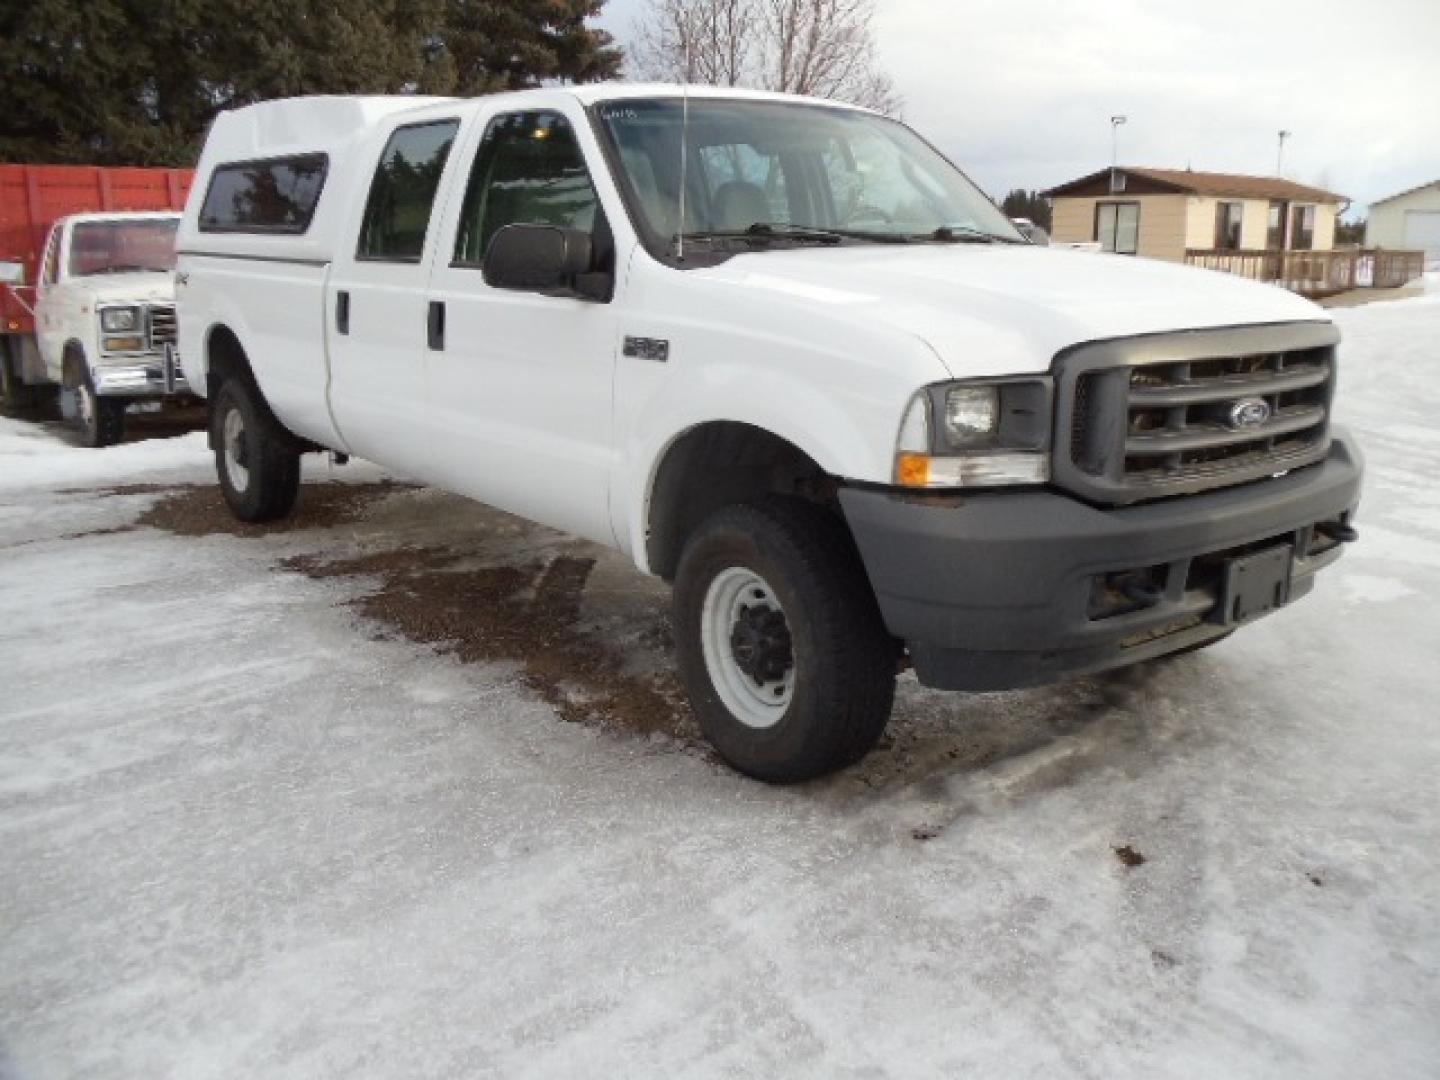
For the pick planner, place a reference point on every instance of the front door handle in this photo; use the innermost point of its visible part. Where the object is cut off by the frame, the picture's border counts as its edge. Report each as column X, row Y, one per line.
column 435, row 325
column 342, row 312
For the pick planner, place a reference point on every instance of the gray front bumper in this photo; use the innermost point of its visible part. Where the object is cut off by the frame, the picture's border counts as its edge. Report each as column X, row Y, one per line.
column 993, row 591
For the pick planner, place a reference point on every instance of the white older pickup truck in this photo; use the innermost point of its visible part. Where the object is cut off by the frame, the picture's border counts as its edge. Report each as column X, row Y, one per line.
column 784, row 355
column 104, row 314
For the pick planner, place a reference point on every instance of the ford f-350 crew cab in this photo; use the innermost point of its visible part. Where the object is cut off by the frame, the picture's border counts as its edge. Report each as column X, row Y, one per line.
column 784, row 355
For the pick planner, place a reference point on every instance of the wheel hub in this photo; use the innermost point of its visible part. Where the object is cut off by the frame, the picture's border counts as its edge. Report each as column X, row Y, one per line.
column 748, row 652
column 760, row 643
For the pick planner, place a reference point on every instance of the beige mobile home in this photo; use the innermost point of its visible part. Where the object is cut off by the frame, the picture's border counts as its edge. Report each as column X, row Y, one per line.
column 1165, row 213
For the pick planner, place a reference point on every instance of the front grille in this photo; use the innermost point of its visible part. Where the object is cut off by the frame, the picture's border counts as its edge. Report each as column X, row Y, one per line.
column 1157, row 417
column 162, row 325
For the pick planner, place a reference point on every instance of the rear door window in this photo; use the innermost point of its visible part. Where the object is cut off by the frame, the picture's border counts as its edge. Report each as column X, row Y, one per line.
column 277, row 195
column 402, row 194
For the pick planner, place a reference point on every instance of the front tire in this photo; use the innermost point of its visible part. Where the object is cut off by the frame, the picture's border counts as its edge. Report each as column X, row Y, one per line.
column 258, row 465
column 782, row 649
column 99, row 420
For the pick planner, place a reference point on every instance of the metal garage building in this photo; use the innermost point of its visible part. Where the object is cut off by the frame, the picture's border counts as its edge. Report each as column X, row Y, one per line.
column 1409, row 220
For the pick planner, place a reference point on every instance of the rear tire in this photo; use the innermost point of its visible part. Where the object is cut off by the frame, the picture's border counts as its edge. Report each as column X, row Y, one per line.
column 100, row 421
column 781, row 646
column 258, row 465
column 16, row 398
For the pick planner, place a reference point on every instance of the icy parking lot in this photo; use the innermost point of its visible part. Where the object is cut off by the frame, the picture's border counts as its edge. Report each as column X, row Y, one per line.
column 405, row 788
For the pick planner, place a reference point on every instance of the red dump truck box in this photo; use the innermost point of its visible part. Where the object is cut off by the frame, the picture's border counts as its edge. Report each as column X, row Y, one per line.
column 33, row 196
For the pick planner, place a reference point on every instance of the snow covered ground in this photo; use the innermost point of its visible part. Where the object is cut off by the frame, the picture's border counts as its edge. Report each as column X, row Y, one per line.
column 254, row 822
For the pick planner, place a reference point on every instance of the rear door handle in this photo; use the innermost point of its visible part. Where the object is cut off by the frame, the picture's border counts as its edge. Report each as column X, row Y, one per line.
column 342, row 312
column 435, row 325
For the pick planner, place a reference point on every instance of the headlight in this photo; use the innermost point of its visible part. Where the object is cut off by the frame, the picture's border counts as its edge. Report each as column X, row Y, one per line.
column 119, row 319
column 970, row 414
column 976, row 434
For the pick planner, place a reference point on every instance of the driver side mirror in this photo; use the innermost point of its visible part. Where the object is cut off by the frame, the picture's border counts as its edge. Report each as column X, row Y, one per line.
column 544, row 259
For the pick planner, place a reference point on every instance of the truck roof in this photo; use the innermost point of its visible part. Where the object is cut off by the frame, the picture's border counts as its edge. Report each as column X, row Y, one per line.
column 319, row 122
column 121, row 215
column 339, row 126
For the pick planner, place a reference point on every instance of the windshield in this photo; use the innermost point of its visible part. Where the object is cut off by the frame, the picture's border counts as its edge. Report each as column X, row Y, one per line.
column 123, row 246
column 791, row 167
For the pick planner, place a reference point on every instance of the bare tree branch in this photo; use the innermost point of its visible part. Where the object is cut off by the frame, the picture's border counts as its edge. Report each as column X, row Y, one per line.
column 700, row 41
column 823, row 48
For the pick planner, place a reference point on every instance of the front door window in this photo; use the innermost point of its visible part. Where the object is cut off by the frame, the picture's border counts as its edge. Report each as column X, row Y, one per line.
column 528, row 171
column 51, row 273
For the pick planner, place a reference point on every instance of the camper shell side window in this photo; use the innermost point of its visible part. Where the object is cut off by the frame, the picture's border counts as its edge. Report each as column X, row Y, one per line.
column 271, row 195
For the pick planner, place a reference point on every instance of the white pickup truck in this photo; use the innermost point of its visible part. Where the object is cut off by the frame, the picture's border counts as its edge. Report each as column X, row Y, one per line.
column 104, row 314
column 787, row 357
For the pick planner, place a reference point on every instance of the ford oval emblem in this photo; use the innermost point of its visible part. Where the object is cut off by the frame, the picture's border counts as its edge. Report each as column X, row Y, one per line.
column 1249, row 412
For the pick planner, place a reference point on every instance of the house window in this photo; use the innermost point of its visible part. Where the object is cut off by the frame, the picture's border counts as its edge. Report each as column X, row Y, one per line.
column 1228, row 216
column 1275, row 227
column 1117, row 181
column 1302, row 228
column 1117, row 226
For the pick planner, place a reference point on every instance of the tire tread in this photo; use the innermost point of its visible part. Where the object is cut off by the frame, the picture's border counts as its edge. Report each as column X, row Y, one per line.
column 275, row 463
column 855, row 695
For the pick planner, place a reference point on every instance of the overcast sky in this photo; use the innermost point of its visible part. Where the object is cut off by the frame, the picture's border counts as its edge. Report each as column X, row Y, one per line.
column 1020, row 92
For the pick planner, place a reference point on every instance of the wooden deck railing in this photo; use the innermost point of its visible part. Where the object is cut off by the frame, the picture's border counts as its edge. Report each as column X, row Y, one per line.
column 1316, row 273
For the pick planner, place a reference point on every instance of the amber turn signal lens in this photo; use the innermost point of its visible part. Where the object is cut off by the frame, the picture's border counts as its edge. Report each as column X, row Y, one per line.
column 912, row 470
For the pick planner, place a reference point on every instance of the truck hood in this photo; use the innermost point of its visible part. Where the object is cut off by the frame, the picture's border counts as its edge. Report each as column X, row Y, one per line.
column 124, row 288
column 1006, row 309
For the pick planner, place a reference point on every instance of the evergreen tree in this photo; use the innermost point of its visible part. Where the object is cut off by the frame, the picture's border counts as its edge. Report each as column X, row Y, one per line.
column 509, row 46
column 1027, row 204
column 138, row 81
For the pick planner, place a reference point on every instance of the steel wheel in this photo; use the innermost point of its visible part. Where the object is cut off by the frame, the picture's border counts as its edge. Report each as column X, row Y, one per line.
column 746, row 641
column 237, row 456
column 255, row 460
column 86, row 410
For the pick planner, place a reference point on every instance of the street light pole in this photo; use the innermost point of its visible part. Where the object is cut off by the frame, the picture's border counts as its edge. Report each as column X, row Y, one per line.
column 1280, row 154
column 1115, row 122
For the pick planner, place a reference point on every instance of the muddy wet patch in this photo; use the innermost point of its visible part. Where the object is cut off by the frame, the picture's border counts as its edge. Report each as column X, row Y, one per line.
column 201, row 511
column 114, row 490
column 1129, row 857
column 526, row 614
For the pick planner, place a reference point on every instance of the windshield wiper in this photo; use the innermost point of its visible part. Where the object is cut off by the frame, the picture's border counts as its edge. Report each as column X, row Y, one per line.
column 964, row 234
column 766, row 231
